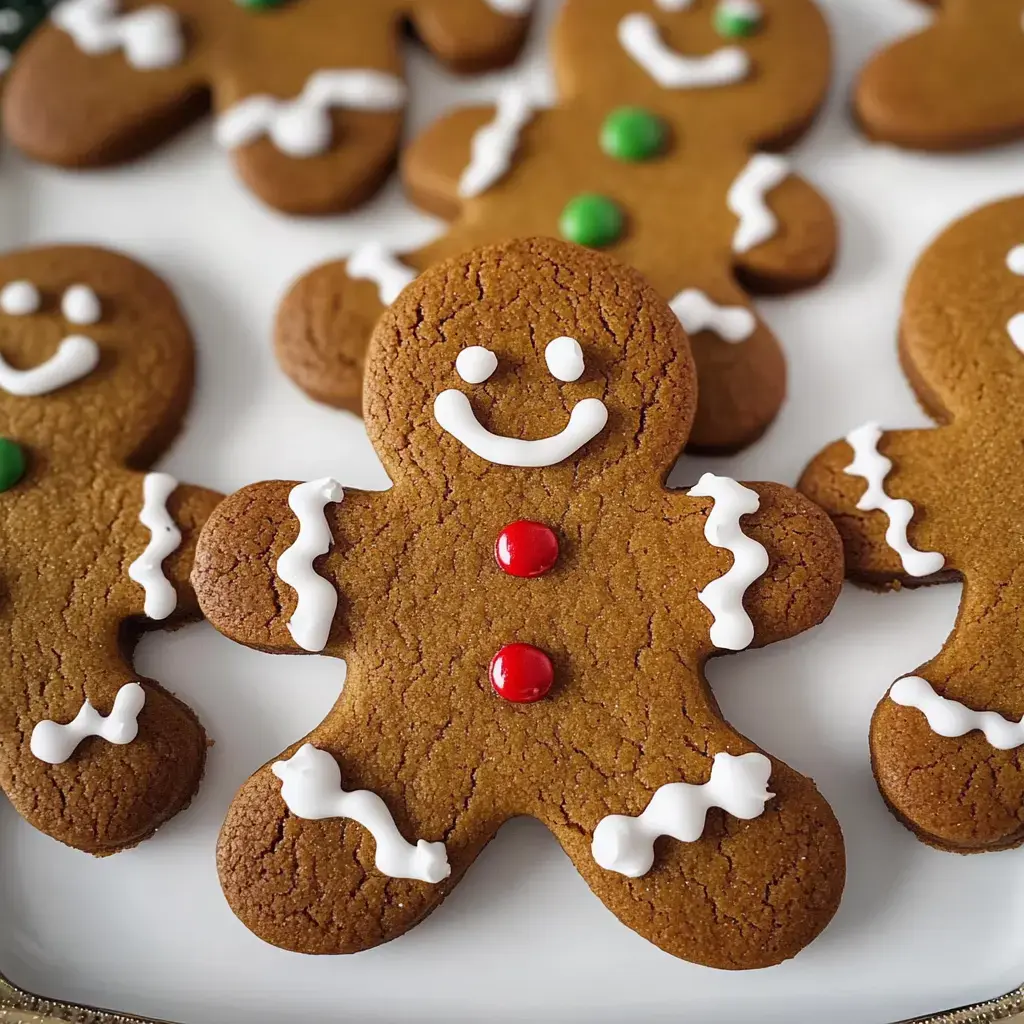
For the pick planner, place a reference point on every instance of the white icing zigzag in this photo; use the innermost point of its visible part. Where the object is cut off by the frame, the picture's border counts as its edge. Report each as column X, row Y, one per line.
column 55, row 743
column 1015, row 263
column 746, row 199
column 873, row 467
column 373, row 262
column 738, row 785
column 696, row 312
column 494, row 144
column 147, row 569
column 950, row 718
column 302, row 127
column 310, row 626
column 311, row 788
column 732, row 629
column 151, row 37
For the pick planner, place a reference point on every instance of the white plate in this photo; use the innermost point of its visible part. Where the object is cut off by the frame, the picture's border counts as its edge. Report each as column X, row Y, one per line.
column 521, row 938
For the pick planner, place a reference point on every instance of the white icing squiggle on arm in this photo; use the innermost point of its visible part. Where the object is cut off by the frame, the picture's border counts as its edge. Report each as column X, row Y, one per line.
column 873, row 467
column 55, row 743
column 696, row 312
column 310, row 625
column 76, row 357
column 738, row 785
column 732, row 629
column 639, row 37
column 311, row 789
column 494, row 144
column 746, row 199
column 373, row 262
column 147, row 569
column 151, row 37
column 950, row 718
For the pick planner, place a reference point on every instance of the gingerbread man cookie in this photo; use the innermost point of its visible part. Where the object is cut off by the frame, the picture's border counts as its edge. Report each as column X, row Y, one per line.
column 95, row 374
column 650, row 153
column 525, row 617
column 927, row 506
column 307, row 94
column 956, row 85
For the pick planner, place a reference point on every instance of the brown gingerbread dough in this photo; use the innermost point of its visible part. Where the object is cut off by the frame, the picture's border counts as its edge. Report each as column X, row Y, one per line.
column 956, row 85
column 423, row 608
column 73, row 439
column 961, row 344
column 678, row 227
column 122, row 76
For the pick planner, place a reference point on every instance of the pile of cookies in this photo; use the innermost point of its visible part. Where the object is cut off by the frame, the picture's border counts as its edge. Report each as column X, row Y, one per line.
column 527, row 613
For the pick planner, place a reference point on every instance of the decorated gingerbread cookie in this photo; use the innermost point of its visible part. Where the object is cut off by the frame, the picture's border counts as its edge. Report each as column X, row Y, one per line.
column 650, row 153
column 956, row 85
column 307, row 94
column 95, row 374
column 525, row 616
column 927, row 506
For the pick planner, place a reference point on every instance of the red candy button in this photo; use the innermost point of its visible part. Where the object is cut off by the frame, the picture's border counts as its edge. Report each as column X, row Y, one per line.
column 526, row 549
column 521, row 673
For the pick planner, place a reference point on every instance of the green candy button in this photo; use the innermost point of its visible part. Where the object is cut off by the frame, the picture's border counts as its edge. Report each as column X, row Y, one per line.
column 735, row 19
column 260, row 5
column 633, row 134
column 12, row 464
column 591, row 220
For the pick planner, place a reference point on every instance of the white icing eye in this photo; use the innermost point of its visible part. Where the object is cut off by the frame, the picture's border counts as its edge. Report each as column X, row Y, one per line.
column 1015, row 260
column 565, row 359
column 80, row 305
column 475, row 364
column 19, row 298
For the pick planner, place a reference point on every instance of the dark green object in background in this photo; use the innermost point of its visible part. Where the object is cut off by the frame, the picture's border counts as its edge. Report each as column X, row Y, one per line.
column 591, row 220
column 18, row 18
column 12, row 464
column 633, row 134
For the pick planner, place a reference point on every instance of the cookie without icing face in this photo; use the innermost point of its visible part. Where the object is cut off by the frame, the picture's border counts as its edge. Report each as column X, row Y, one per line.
column 956, row 85
column 525, row 616
column 307, row 94
column 650, row 153
column 95, row 374
column 926, row 506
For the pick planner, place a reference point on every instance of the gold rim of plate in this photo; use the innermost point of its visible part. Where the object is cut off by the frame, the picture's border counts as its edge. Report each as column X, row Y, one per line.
column 20, row 1007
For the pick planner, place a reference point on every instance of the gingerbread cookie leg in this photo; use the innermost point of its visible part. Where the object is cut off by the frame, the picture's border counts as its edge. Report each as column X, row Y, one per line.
column 472, row 35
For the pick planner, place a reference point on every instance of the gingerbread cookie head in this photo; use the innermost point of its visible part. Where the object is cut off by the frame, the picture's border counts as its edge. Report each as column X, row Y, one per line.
column 525, row 616
column 307, row 94
column 495, row 396
column 100, row 340
column 751, row 71
column 955, row 85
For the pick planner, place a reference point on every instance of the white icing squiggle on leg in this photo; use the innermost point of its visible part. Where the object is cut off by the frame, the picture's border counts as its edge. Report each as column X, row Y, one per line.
column 147, row 569
column 696, row 312
column 873, row 467
column 746, row 199
column 151, row 37
column 76, row 357
column 373, row 262
column 494, row 144
column 732, row 629
column 55, row 743
column 950, row 718
column 738, row 785
column 311, row 788
column 310, row 625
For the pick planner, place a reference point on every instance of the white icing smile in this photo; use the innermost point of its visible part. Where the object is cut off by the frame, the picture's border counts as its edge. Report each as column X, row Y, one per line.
column 75, row 357
column 639, row 37
column 455, row 415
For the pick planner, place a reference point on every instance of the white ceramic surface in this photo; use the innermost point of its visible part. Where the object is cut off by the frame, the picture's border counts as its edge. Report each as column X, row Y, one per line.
column 521, row 938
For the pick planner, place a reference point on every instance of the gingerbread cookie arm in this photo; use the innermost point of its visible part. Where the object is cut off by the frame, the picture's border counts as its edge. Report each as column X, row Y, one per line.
column 472, row 35
column 102, row 107
column 874, row 485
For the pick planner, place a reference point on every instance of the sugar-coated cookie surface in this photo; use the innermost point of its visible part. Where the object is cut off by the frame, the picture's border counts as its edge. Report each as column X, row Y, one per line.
column 956, row 85
column 307, row 95
column 525, row 617
column 95, row 374
column 650, row 152
column 926, row 506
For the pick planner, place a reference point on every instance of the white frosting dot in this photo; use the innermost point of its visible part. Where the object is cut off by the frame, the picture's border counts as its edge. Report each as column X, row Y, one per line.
column 1015, row 260
column 565, row 359
column 475, row 364
column 80, row 305
column 19, row 298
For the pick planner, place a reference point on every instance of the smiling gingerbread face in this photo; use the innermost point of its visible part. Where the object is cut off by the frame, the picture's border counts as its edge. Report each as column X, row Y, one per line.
column 749, row 70
column 536, row 376
column 93, row 340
